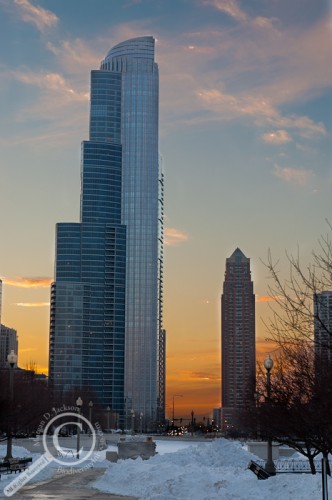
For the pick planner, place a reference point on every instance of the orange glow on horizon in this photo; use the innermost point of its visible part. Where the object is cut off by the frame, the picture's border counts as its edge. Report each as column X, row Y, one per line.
column 193, row 361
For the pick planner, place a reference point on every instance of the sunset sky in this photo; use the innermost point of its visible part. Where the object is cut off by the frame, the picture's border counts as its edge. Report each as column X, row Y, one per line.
column 245, row 141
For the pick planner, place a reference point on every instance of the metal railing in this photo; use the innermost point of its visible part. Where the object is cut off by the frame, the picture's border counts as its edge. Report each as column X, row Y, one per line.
column 295, row 466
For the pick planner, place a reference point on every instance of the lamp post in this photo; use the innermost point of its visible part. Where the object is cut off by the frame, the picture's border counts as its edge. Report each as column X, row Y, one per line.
column 257, row 396
column 141, row 423
column 108, row 417
column 192, row 422
column 12, row 360
column 175, row 396
column 132, row 421
column 90, row 411
column 269, row 464
column 79, row 404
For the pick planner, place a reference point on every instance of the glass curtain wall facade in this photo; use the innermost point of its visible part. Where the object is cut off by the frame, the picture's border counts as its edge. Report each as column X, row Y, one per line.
column 238, row 337
column 8, row 342
column 323, row 328
column 106, row 305
column 87, row 327
column 134, row 60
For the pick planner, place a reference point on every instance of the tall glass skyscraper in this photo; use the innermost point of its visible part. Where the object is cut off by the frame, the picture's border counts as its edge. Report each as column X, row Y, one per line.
column 237, row 337
column 106, row 314
column 323, row 328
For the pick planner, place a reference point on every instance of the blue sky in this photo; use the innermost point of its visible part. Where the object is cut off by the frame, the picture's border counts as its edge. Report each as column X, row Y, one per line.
column 245, row 140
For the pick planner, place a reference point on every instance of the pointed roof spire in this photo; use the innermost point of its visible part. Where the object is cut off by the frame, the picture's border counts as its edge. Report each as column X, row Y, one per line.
column 237, row 255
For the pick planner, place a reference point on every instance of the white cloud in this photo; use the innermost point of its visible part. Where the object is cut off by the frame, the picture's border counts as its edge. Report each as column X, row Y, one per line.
column 263, row 22
column 297, row 176
column 174, row 237
column 53, row 82
column 277, row 137
column 229, row 7
column 248, row 70
column 35, row 14
column 195, row 68
column 261, row 109
column 76, row 56
column 232, row 9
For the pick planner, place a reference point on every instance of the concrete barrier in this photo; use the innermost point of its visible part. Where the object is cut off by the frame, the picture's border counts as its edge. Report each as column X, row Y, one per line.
column 112, row 456
column 134, row 449
column 259, row 448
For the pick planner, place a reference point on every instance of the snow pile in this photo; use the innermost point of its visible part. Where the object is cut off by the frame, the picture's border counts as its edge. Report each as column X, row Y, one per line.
column 20, row 452
column 205, row 471
column 184, row 471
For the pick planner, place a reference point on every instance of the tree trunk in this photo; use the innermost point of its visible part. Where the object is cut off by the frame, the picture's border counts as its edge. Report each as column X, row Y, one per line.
column 312, row 464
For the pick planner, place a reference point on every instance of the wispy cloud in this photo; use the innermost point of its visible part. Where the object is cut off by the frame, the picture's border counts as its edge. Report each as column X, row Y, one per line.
column 267, row 298
column 229, row 7
column 50, row 82
column 277, row 137
column 27, row 282
column 263, row 22
column 32, row 304
column 212, row 75
column 60, row 103
column 199, row 69
column 261, row 109
column 233, row 9
column 77, row 56
column 297, row 176
column 34, row 14
column 204, row 376
column 174, row 237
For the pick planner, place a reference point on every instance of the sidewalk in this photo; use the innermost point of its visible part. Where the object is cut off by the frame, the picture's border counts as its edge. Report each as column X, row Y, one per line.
column 64, row 487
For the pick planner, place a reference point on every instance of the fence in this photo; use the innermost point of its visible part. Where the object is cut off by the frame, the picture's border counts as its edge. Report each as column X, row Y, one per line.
column 296, row 466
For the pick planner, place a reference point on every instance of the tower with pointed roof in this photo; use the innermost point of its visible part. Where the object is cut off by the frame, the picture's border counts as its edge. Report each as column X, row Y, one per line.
column 237, row 336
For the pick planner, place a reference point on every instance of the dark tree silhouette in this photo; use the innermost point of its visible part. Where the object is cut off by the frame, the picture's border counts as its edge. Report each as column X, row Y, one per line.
column 293, row 312
column 30, row 401
column 299, row 413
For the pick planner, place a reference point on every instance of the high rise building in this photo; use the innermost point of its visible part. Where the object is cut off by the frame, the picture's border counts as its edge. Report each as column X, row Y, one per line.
column 161, row 377
column 8, row 338
column 237, row 337
column 323, row 327
column 8, row 343
column 0, row 301
column 216, row 415
column 106, row 314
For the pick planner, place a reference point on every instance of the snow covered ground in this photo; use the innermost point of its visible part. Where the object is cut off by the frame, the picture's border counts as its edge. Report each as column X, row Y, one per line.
column 198, row 471
column 203, row 471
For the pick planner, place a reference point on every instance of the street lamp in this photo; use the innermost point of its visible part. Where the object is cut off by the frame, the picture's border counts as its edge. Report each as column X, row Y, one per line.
column 12, row 360
column 257, row 396
column 108, row 417
column 192, row 422
column 132, row 421
column 79, row 404
column 141, row 423
column 269, row 464
column 90, row 411
column 175, row 396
